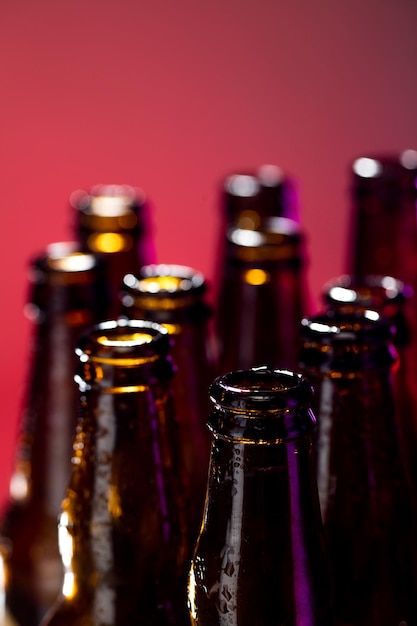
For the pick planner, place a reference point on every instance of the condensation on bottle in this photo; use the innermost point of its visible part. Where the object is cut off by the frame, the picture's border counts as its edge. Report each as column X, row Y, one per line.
column 176, row 297
column 365, row 498
column 123, row 527
column 261, row 557
column 67, row 294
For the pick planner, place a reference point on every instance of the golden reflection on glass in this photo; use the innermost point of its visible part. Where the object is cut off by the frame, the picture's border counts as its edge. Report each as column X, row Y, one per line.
column 128, row 340
column 249, row 220
column 191, row 593
column 66, row 550
column 115, row 508
column 256, row 277
column 109, row 242
column 75, row 262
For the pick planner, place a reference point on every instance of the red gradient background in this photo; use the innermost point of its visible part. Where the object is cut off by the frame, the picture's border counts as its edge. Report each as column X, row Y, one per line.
column 173, row 95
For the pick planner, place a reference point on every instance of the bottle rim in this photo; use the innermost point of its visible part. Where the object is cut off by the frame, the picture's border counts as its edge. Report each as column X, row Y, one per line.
column 124, row 342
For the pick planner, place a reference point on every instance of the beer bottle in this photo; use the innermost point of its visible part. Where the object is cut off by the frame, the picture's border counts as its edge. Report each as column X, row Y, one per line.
column 114, row 221
column 67, row 287
column 261, row 558
column 262, row 294
column 393, row 299
column 383, row 238
column 175, row 296
column 366, row 505
column 122, row 533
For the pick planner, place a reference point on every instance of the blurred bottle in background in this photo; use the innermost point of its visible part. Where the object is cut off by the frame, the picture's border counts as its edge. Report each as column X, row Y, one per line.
column 122, row 530
column 67, row 294
column 394, row 300
column 175, row 296
column 262, row 291
column 383, row 237
column 366, row 503
column 261, row 556
column 114, row 221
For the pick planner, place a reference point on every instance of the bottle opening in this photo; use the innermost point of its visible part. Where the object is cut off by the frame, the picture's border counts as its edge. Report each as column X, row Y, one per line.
column 124, row 342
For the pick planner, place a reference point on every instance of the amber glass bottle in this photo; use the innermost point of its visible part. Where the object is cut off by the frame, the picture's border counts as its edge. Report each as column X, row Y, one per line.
column 121, row 531
column 393, row 299
column 261, row 557
column 383, row 239
column 262, row 293
column 175, row 296
column 67, row 287
column 365, row 500
column 114, row 221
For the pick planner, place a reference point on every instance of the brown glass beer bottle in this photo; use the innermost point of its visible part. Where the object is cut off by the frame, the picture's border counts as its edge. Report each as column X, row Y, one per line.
column 383, row 237
column 393, row 299
column 67, row 290
column 122, row 533
column 262, row 293
column 261, row 558
column 114, row 222
column 366, row 504
column 175, row 296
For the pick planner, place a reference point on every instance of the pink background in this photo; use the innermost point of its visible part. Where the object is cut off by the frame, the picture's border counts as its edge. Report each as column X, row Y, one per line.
column 173, row 95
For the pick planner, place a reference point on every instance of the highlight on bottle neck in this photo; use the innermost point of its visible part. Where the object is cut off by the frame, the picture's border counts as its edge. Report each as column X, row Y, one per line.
column 57, row 277
column 65, row 261
column 249, row 198
column 123, row 355
column 109, row 217
column 367, row 292
column 344, row 343
column 385, row 294
column 385, row 175
column 261, row 405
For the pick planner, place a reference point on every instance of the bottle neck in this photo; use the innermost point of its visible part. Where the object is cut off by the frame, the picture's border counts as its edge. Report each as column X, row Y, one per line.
column 51, row 402
column 124, row 502
column 262, row 511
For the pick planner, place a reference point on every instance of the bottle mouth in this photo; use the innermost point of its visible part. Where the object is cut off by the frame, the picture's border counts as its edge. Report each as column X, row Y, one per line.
column 346, row 343
column 108, row 201
column 261, row 404
column 360, row 326
column 164, row 279
column 370, row 291
column 163, row 287
column 124, row 342
column 64, row 263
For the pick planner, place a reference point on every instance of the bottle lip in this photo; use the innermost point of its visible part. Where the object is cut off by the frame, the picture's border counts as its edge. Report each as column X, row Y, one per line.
column 164, row 287
column 108, row 200
column 63, row 262
column 340, row 326
column 251, row 196
column 369, row 291
column 261, row 405
column 124, row 342
column 367, row 167
column 347, row 343
column 260, row 389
